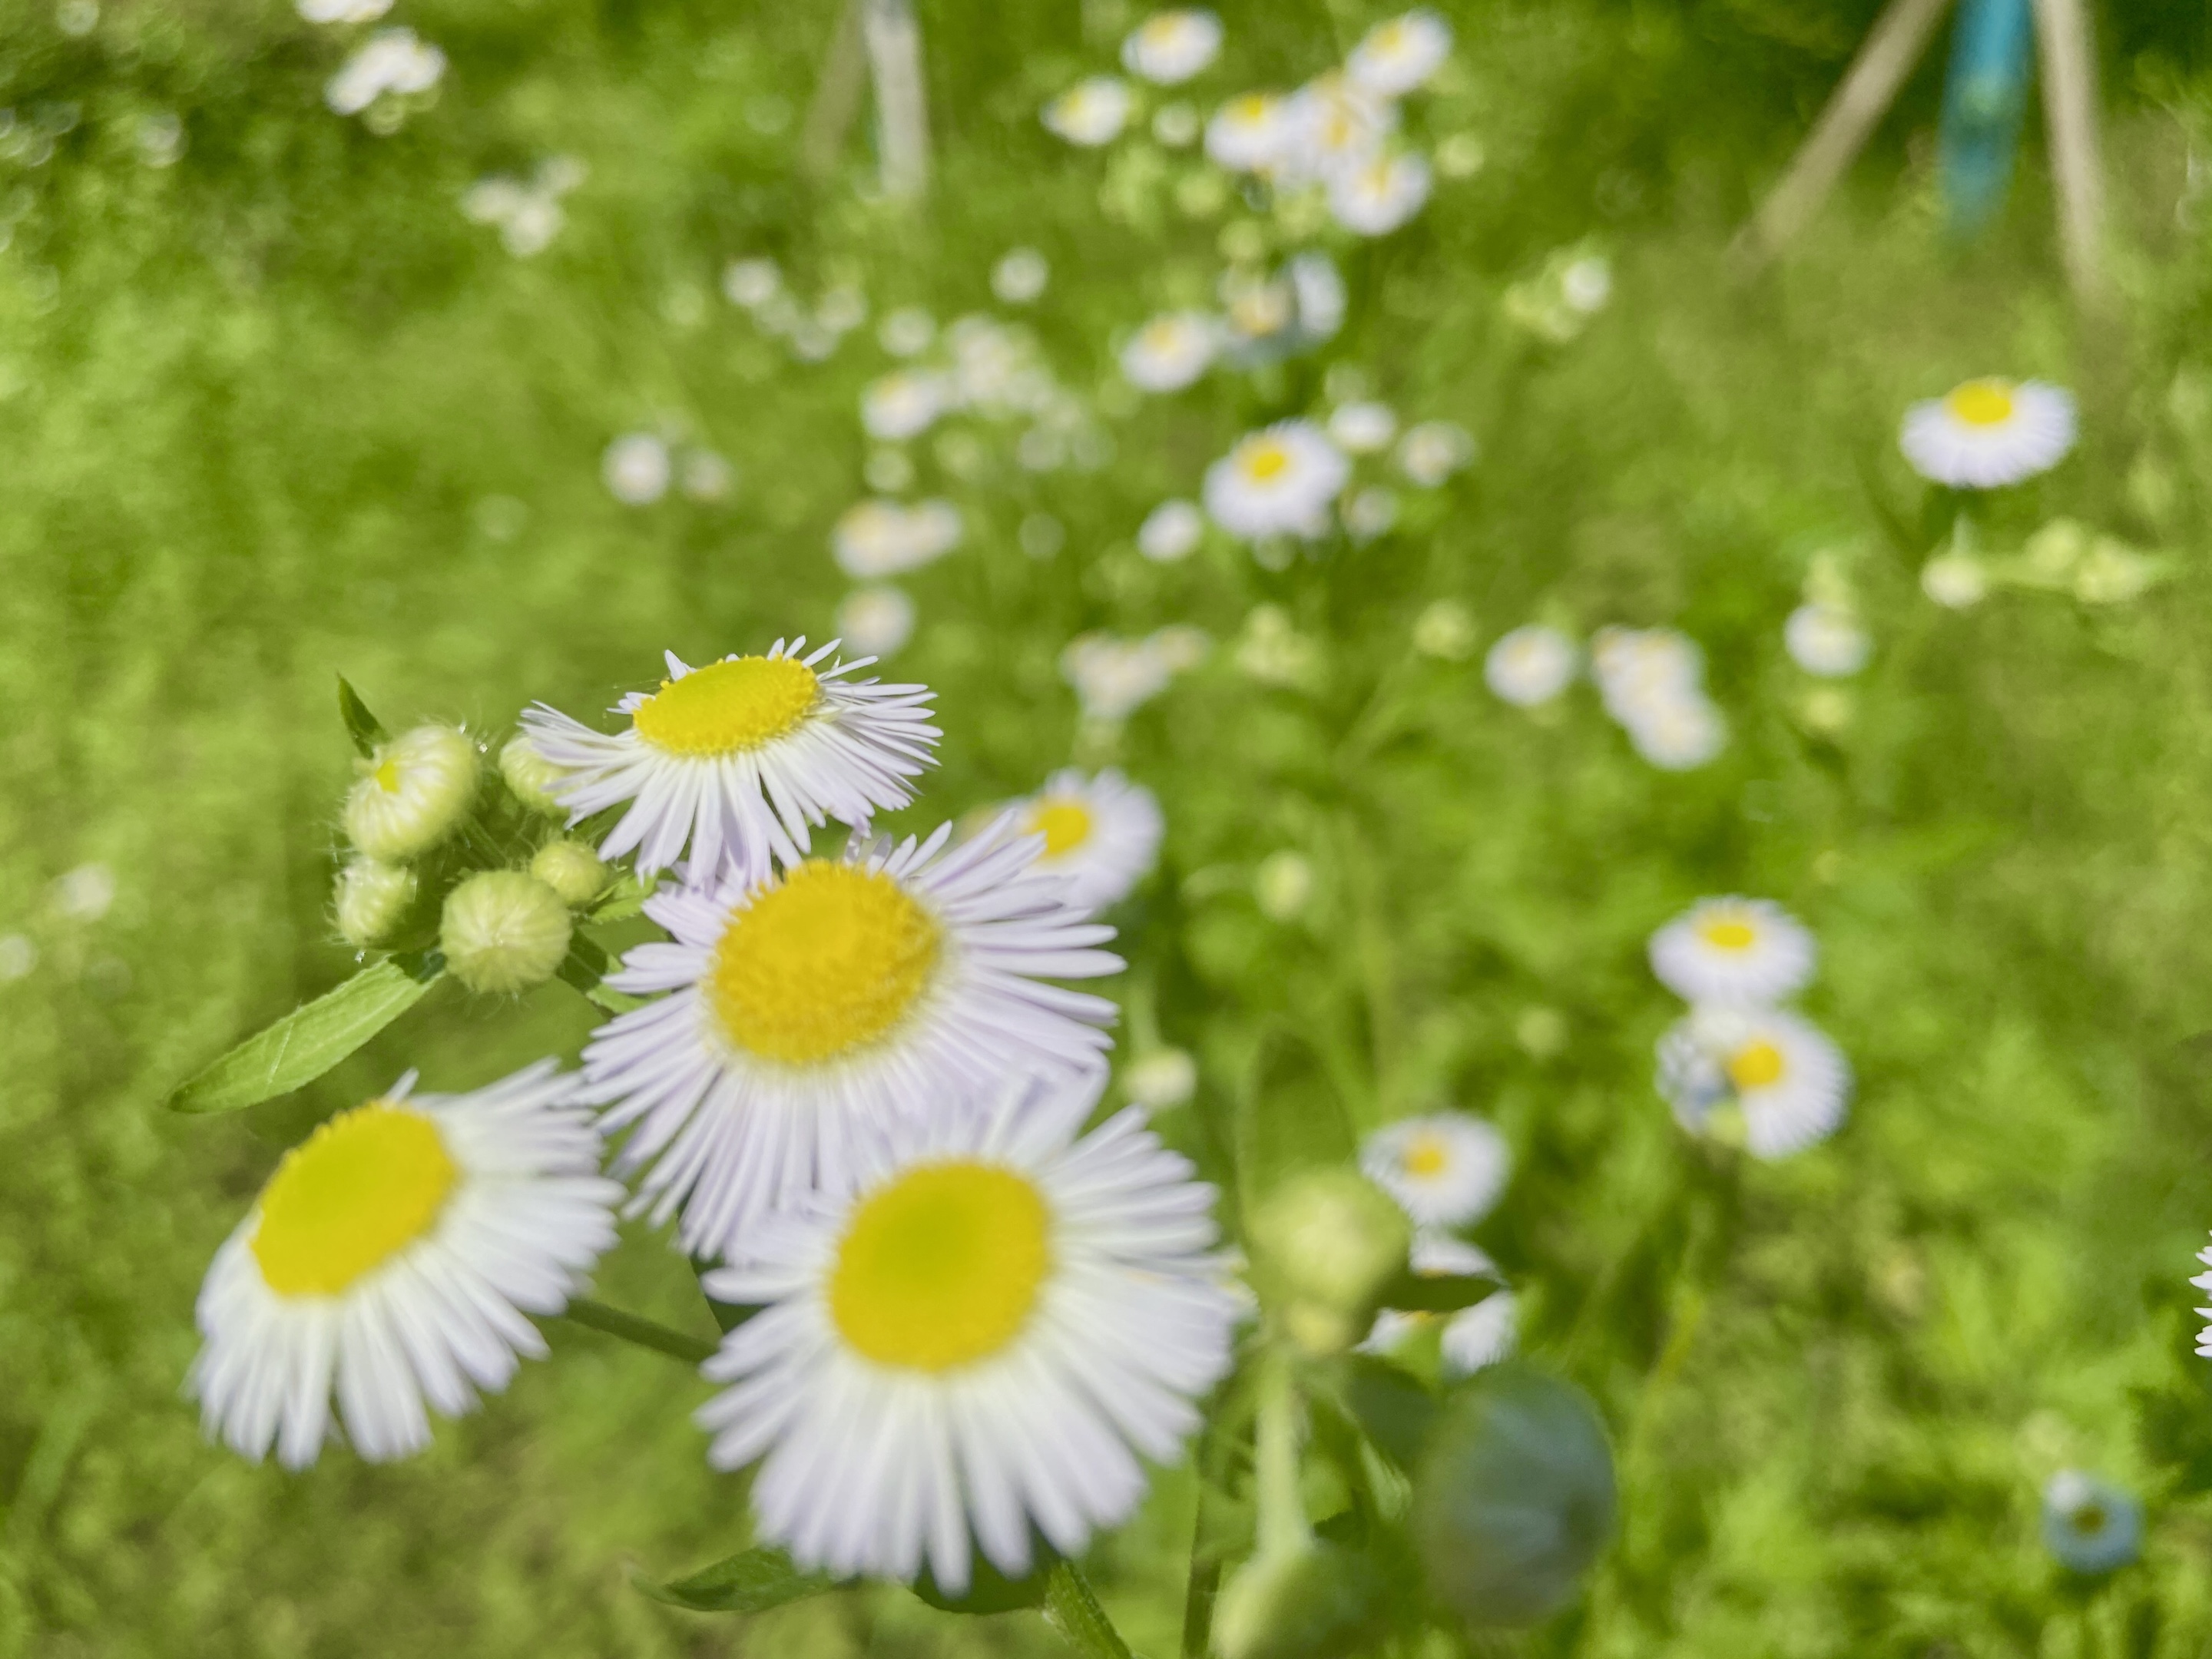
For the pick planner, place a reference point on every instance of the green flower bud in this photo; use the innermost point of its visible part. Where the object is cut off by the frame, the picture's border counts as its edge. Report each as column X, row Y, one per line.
column 1313, row 1602
column 530, row 777
column 503, row 930
column 413, row 792
column 1514, row 1498
column 370, row 899
column 572, row 870
column 1324, row 1243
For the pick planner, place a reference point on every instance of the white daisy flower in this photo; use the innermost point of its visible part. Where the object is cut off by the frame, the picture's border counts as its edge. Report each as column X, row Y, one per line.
column 1170, row 351
column 752, row 283
column 1276, row 481
column 809, row 1011
column 1446, row 1169
column 342, row 11
column 1430, row 452
column 1376, row 196
column 1733, row 950
column 877, row 537
column 985, row 1336
column 1531, row 665
column 1637, row 667
column 1957, row 581
column 1020, row 275
column 398, row 61
column 902, row 404
column 1171, row 532
column 736, row 759
column 1586, row 284
column 1250, row 133
column 1160, row 1078
column 637, row 469
column 1394, row 57
column 1677, row 733
column 391, row 1260
column 1090, row 113
column 1102, row 833
column 1472, row 1338
column 1362, row 429
column 1788, row 1082
column 413, row 792
column 1336, row 128
column 1114, row 677
column 876, row 621
column 1827, row 641
column 1169, row 47
column 1989, row 433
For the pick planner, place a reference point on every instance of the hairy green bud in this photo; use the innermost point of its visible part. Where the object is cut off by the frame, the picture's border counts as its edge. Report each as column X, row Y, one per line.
column 504, row 931
column 572, row 870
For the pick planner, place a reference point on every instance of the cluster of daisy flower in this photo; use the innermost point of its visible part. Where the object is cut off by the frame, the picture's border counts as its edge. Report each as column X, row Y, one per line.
column 1739, row 1067
column 1447, row 1170
column 387, row 76
column 639, row 468
column 526, row 211
column 812, row 333
column 1296, row 481
column 1650, row 680
column 1557, row 303
column 1114, row 676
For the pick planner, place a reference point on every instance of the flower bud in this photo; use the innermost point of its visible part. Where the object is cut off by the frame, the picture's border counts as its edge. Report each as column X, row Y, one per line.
column 1161, row 1079
column 530, row 777
column 572, row 870
column 1324, row 1244
column 1514, row 1498
column 413, row 792
column 1313, row 1602
column 503, row 930
column 370, row 899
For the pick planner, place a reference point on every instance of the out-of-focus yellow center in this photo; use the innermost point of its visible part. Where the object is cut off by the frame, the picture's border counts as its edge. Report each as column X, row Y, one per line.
column 826, row 963
column 1981, row 403
column 1393, row 36
column 1250, row 109
column 1726, row 933
column 359, row 1189
column 1426, row 1155
column 941, row 1267
column 1163, row 334
column 1266, row 460
column 1162, row 32
column 727, row 707
column 1065, row 825
column 1755, row 1065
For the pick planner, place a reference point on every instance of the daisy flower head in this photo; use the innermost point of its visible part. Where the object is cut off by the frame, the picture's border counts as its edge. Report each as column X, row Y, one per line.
column 1114, row 677
column 2092, row 1526
column 1396, row 57
column 1430, row 452
column 1169, row 47
column 876, row 537
column 1531, row 665
column 1733, row 950
column 1276, row 481
column 1170, row 351
column 1171, row 532
column 413, row 792
column 1472, row 1338
column 1102, row 833
column 395, row 61
column 901, row 404
column 636, row 469
column 807, row 1011
column 1446, row 1169
column 735, row 760
column 1090, row 113
column 391, row 1260
column 876, row 620
column 1677, row 733
column 1379, row 195
column 1787, row 1083
column 1828, row 640
column 1020, row 275
column 1336, row 128
column 1989, row 433
column 1362, row 427
column 342, row 11
column 985, row 1332
column 1636, row 666
column 1250, row 133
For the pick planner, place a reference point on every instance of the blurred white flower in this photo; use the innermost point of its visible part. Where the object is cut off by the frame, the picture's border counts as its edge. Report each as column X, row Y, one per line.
column 1394, row 57
column 1828, row 640
column 888, row 471
column 1362, row 429
column 1446, row 1169
column 1171, row 532
column 1531, row 665
column 1090, row 113
column 394, row 62
column 875, row 622
column 1161, row 1077
column 1444, row 629
column 1278, row 481
column 1472, row 1338
column 85, row 893
column 842, row 308
column 1376, row 196
column 1989, row 433
column 907, row 331
column 1176, row 125
column 1169, row 47
column 1170, row 351
column 1678, row 733
column 343, row 11
column 1957, row 581
column 1102, row 833
column 637, row 469
column 902, row 404
column 1733, row 950
column 1430, row 452
column 875, row 539
column 19, row 957
column 751, row 284
column 1114, row 677
column 1788, row 1081
column 1336, row 128
column 1020, row 275
column 1370, row 512
column 1250, row 133
column 707, row 476
column 1587, row 283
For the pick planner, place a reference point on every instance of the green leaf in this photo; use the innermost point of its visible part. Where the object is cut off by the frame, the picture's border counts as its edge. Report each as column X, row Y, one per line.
column 624, row 899
column 990, row 1591
column 1291, row 1118
column 310, row 1040
column 1413, row 1292
column 363, row 728
column 1073, row 1611
column 751, row 1580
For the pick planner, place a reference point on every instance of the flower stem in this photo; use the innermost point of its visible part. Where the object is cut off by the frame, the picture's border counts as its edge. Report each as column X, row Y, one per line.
column 1073, row 1611
column 1283, row 1528
column 644, row 1333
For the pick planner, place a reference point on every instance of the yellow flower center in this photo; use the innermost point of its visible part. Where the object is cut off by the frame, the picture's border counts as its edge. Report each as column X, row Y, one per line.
column 1426, row 1155
column 1755, row 1065
column 1162, row 32
column 387, row 776
column 1393, row 36
column 727, row 707
column 1266, row 460
column 1726, row 933
column 1065, row 825
column 1981, row 403
column 941, row 1267
column 825, row 962
column 1249, row 110
column 363, row 1187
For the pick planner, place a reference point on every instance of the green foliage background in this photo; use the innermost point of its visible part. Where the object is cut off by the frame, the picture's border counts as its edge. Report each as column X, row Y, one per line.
column 251, row 406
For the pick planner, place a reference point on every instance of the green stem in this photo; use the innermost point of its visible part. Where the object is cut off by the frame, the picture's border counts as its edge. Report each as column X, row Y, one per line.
column 1283, row 1528
column 1074, row 1611
column 644, row 1333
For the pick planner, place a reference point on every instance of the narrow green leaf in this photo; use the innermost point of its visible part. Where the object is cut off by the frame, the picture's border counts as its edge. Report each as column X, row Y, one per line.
column 1073, row 1611
column 311, row 1039
column 625, row 899
column 751, row 1580
column 1412, row 1292
column 1290, row 1118
column 644, row 1333
column 363, row 728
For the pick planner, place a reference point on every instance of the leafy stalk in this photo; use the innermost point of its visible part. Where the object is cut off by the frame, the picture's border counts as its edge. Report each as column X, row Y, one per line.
column 642, row 1332
column 1073, row 1611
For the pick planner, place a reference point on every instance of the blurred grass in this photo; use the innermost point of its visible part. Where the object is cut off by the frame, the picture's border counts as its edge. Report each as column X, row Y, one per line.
column 254, row 403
